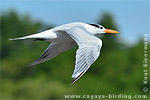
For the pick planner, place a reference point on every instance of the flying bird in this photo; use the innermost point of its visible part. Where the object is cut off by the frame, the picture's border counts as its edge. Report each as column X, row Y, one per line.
column 64, row 37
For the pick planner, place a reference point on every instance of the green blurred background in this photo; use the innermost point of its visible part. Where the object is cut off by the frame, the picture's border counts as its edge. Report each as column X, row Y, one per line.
column 119, row 69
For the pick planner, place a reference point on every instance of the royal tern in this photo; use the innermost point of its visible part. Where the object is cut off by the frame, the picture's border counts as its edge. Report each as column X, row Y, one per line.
column 64, row 37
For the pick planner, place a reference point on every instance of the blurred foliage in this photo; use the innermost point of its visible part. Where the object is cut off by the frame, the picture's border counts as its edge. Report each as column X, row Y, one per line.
column 117, row 70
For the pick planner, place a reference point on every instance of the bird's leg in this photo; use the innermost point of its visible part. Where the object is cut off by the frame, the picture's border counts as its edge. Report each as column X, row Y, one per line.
column 39, row 39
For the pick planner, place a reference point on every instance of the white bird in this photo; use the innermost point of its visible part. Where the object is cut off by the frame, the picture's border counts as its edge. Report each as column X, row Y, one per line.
column 64, row 37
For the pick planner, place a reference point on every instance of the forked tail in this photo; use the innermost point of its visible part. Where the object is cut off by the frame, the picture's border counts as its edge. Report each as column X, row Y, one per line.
column 39, row 35
column 20, row 38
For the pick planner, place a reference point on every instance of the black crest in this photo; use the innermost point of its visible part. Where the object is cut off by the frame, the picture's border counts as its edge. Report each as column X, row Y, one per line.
column 95, row 25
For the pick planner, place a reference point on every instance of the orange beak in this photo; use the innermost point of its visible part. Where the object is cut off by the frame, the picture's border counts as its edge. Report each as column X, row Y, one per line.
column 110, row 31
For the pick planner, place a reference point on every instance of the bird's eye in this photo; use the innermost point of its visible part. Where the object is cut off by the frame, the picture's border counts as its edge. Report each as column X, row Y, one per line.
column 101, row 27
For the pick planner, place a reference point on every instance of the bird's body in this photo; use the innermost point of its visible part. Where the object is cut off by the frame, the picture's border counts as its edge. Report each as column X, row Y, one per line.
column 64, row 37
column 57, row 34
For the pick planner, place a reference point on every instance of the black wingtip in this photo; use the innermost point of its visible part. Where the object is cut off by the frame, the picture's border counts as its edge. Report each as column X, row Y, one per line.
column 77, row 78
column 73, row 81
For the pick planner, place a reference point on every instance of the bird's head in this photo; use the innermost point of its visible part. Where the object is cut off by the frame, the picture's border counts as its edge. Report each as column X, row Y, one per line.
column 99, row 29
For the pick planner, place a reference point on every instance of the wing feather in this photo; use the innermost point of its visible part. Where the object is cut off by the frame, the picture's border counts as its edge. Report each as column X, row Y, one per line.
column 52, row 51
column 87, row 53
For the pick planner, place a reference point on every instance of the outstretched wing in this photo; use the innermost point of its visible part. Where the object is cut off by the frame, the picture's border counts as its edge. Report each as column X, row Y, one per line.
column 88, row 52
column 52, row 51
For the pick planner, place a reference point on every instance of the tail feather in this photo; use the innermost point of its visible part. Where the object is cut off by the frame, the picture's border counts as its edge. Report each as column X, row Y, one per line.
column 27, row 37
column 20, row 38
column 43, row 35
